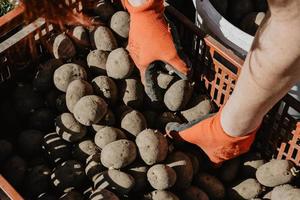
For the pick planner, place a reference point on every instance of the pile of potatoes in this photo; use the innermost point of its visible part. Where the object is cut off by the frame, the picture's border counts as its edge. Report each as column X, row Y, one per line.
column 84, row 128
column 245, row 14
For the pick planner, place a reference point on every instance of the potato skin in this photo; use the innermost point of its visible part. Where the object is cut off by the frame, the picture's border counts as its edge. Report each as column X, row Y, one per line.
column 94, row 165
column 182, row 164
column 139, row 172
column 119, row 23
column 103, row 194
column 230, row 170
column 118, row 154
column 75, row 91
column 152, row 146
column 96, row 61
column 275, row 172
column 164, row 80
column 108, row 135
column 72, row 195
column 90, row 110
column 115, row 180
column 108, row 120
column 81, row 37
column 84, row 149
column 104, row 10
column 63, row 47
column 165, row 118
column 161, row 176
column 178, row 95
column 251, row 163
column 247, row 189
column 66, row 73
column 194, row 193
column 211, row 185
column 132, row 93
column 104, row 39
column 133, row 122
column 281, row 192
column 119, row 65
column 106, row 88
column 161, row 195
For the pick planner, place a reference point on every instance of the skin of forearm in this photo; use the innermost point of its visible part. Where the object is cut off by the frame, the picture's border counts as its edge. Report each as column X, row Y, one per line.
column 271, row 68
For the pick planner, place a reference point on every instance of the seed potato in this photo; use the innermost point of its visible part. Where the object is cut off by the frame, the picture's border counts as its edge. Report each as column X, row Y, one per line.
column 194, row 193
column 161, row 195
column 104, row 39
column 133, row 122
column 106, row 88
column 161, row 176
column 132, row 93
column 84, row 149
column 139, row 172
column 108, row 135
column 96, row 61
column 94, row 165
column 119, row 23
column 63, row 47
column 103, row 194
column 247, row 189
column 108, row 120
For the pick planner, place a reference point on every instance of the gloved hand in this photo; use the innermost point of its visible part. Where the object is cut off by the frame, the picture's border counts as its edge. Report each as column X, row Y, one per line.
column 150, row 40
column 208, row 134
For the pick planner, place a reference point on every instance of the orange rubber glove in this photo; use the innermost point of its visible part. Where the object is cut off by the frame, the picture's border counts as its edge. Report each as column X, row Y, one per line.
column 150, row 40
column 208, row 134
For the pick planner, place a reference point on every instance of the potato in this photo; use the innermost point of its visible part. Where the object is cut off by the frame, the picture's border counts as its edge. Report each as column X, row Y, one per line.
column 132, row 93
column 194, row 193
column 152, row 146
column 292, row 194
column 57, row 148
column 211, row 185
column 106, row 88
column 252, row 21
column 14, row 170
column 84, row 149
column 161, row 176
column 251, row 163
column 267, row 196
column 275, row 172
column 37, row 180
column 182, row 164
column 118, row 154
column 239, row 8
column 139, row 172
column 93, row 165
column 75, row 91
column 119, row 23
column 81, row 37
column 26, row 101
column 164, row 80
column 96, row 61
column 63, row 47
column 133, row 122
column 67, row 175
column 118, row 64
column 104, row 39
column 165, row 118
column 29, row 143
column 67, row 73
column 6, row 149
column 42, row 119
column 220, row 5
column 195, row 162
column 178, row 95
column 108, row 135
column 161, row 195
column 103, row 194
column 68, row 128
column 114, row 180
column 104, row 10
column 203, row 107
column 247, row 189
column 90, row 110
column 43, row 80
column 108, row 120
column 229, row 170
column 72, row 195
column 281, row 192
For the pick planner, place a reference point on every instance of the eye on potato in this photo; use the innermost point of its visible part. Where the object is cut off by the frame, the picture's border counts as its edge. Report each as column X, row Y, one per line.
column 152, row 146
column 90, row 110
column 75, row 91
column 118, row 154
column 67, row 73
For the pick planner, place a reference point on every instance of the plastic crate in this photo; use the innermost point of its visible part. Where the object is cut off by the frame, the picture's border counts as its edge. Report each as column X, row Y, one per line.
column 217, row 66
column 11, row 20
